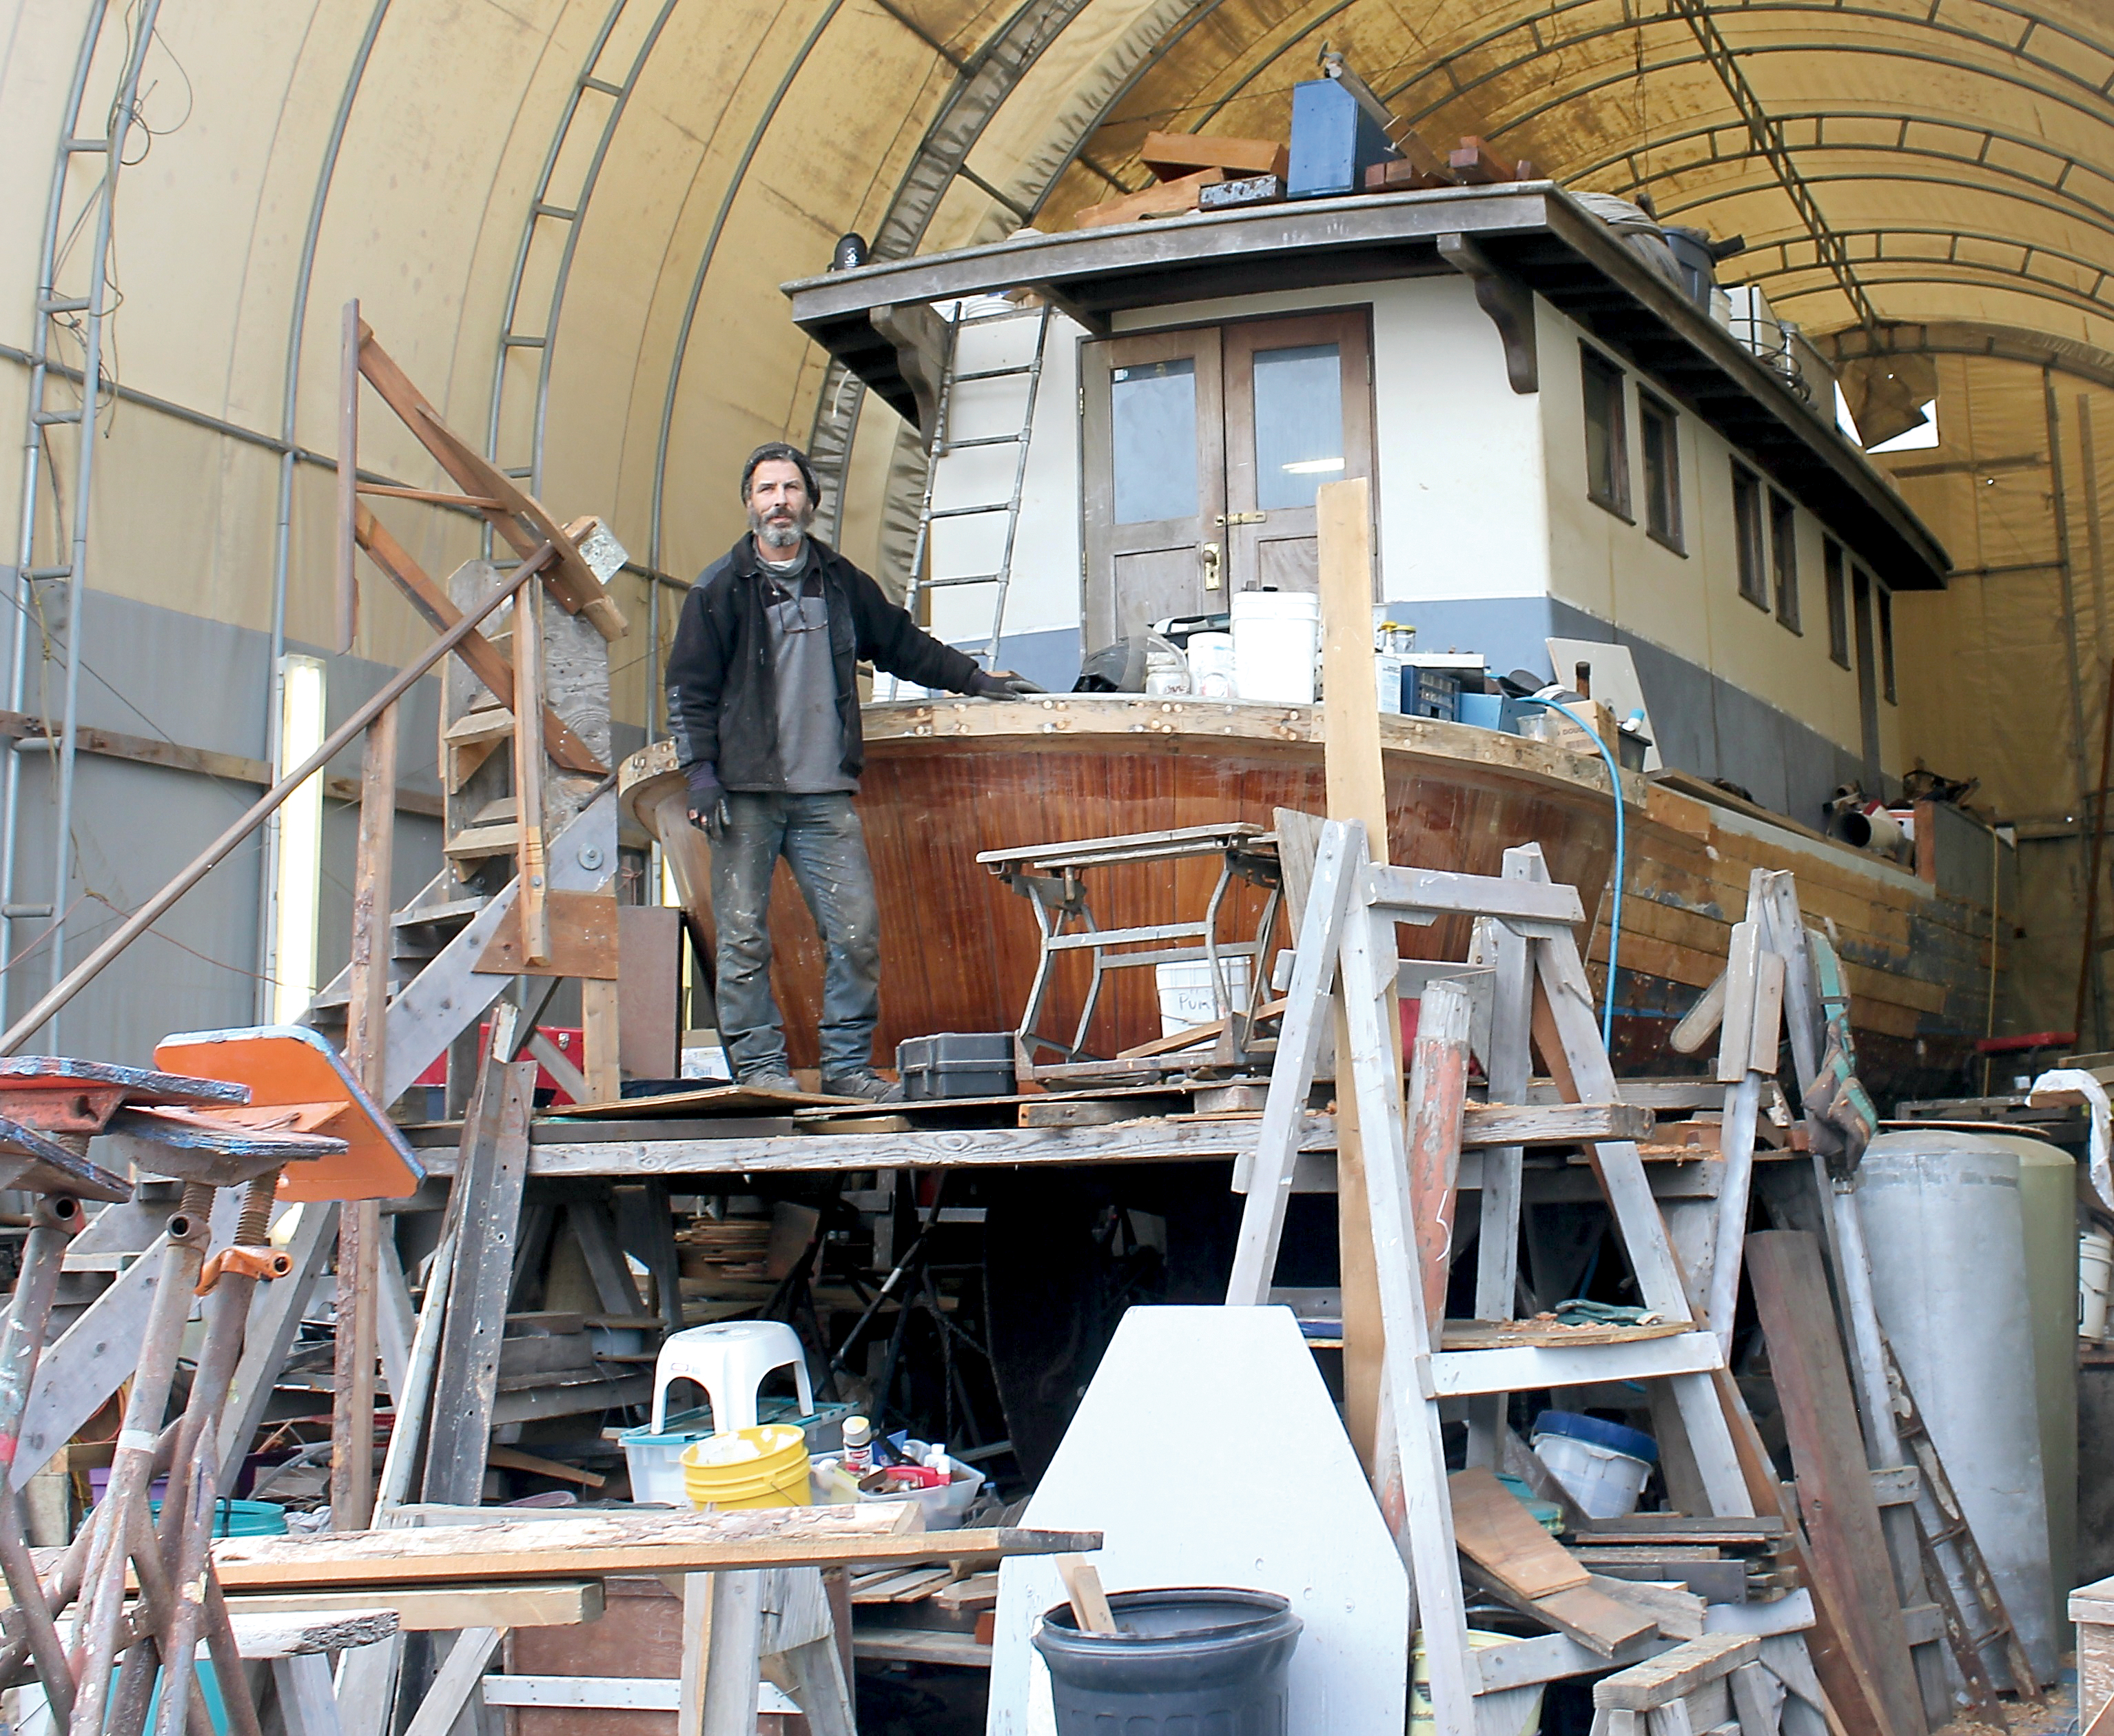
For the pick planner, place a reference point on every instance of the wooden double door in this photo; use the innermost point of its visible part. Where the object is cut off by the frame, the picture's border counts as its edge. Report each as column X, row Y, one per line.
column 1203, row 451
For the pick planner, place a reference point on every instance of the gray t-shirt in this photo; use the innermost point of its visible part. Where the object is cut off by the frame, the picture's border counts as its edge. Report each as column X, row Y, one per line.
column 810, row 735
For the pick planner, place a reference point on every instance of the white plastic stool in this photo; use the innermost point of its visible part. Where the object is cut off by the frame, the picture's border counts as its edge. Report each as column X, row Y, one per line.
column 729, row 1361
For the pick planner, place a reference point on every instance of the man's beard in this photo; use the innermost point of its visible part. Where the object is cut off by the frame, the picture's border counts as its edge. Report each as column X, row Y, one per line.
column 781, row 536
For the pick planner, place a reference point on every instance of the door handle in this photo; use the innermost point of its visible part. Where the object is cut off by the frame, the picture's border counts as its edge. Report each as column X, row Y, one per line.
column 1243, row 517
column 1210, row 554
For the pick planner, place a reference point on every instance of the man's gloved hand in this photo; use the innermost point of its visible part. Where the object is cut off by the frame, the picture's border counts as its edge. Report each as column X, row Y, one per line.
column 708, row 802
column 1002, row 687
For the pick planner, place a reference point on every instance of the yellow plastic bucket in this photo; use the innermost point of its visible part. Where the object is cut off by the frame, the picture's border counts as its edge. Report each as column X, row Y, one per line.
column 1512, row 1709
column 764, row 1467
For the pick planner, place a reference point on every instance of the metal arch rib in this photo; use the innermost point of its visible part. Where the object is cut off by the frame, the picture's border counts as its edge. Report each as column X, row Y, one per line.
column 95, row 306
column 982, row 85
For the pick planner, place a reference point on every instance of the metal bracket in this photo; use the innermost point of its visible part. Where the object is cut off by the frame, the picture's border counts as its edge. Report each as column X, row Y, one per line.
column 1508, row 302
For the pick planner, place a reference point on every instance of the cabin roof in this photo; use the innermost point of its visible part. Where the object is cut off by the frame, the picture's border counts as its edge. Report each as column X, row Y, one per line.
column 1530, row 231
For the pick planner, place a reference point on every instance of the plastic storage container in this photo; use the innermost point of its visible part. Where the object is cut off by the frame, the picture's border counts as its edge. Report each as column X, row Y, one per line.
column 1276, row 635
column 1211, row 673
column 956, row 1063
column 1184, row 988
column 1602, row 1465
column 1180, row 1661
column 762, row 1467
column 2095, row 1278
column 655, row 1458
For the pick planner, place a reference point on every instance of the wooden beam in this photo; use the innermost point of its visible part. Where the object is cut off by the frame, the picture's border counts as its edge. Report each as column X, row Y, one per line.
column 1356, row 790
column 1791, row 1292
column 359, row 1223
column 553, row 1603
column 484, row 659
column 1171, row 156
column 532, row 906
column 512, row 1551
column 570, row 581
column 1163, row 198
column 205, row 761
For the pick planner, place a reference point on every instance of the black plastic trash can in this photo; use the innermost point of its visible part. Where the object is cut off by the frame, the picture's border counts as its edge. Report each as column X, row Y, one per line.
column 1206, row 1659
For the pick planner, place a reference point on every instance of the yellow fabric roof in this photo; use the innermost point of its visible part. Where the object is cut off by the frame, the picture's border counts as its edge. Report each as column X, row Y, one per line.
column 568, row 218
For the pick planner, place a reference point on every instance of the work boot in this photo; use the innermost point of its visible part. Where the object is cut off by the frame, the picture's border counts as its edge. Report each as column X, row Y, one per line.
column 768, row 1079
column 863, row 1083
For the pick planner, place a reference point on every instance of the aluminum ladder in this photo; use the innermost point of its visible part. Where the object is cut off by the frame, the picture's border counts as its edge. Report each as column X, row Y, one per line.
column 944, row 446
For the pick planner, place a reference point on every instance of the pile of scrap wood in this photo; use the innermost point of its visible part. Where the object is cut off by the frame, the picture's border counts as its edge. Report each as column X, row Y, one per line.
column 1199, row 171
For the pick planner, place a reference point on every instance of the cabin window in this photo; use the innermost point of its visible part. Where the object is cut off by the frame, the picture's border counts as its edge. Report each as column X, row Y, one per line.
column 1887, row 643
column 1838, row 603
column 1298, row 424
column 1152, row 413
column 1662, row 447
column 1607, row 435
column 1783, row 559
column 1749, row 536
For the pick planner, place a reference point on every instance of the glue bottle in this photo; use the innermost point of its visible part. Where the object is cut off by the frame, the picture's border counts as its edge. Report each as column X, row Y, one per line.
column 858, row 1447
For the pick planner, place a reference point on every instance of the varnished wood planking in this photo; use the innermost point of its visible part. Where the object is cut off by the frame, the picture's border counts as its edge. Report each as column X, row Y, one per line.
column 944, row 782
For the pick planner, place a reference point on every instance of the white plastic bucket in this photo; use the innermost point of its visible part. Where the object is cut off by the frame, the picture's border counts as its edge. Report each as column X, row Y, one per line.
column 1185, row 992
column 2095, row 1278
column 1211, row 674
column 1276, row 635
column 1605, row 1484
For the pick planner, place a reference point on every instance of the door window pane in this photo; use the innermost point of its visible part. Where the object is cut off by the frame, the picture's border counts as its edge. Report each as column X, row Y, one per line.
column 1298, row 424
column 1153, row 409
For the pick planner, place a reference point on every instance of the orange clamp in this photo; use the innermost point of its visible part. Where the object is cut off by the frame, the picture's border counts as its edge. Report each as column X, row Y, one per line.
column 248, row 1262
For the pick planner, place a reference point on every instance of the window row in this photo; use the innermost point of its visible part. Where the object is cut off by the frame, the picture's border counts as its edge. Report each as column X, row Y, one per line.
column 1607, row 451
column 1764, row 523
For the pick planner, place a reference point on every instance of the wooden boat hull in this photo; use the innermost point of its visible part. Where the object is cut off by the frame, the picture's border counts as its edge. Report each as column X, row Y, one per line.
column 946, row 779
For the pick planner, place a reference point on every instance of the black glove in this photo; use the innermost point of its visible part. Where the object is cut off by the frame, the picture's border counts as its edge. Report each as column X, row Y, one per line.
column 708, row 802
column 1002, row 687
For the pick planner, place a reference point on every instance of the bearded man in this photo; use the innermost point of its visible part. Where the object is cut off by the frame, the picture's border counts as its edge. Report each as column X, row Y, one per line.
column 763, row 704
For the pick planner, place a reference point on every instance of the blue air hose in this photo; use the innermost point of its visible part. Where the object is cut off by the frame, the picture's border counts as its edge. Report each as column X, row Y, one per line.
column 1615, row 918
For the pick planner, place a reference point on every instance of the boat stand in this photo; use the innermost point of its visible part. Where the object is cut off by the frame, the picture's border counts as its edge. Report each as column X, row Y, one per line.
column 1052, row 878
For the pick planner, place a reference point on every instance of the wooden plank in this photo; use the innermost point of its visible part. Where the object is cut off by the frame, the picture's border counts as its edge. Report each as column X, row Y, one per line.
column 479, row 655
column 531, row 913
column 572, row 582
column 238, row 768
column 1356, row 785
column 1493, row 1529
column 1791, row 1292
column 600, row 1040
column 286, row 1634
column 1554, row 1124
column 583, row 940
column 456, row 1682
column 555, row 1603
column 359, row 1224
column 1671, row 1675
column 1438, row 1085
column 602, row 1544
column 1163, row 198
column 1516, row 1558
column 496, row 1162
column 1171, row 156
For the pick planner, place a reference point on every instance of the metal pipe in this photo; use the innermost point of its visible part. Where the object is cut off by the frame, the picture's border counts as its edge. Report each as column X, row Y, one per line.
column 32, row 467
column 151, row 912
column 121, row 115
column 132, row 1467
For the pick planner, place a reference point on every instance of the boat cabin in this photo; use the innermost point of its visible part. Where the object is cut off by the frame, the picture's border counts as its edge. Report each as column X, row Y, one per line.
column 1566, row 445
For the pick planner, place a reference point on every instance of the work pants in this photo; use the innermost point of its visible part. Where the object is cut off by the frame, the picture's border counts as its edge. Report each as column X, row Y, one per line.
column 823, row 842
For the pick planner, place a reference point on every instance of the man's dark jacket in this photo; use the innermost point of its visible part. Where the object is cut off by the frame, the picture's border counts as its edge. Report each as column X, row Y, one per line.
column 722, row 683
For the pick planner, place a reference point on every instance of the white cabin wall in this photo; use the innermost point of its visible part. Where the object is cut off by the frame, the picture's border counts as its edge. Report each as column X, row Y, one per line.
column 1688, row 603
column 1461, row 460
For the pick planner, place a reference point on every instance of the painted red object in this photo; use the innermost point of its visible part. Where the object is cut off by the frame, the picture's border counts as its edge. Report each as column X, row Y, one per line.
column 2032, row 1040
column 571, row 1043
